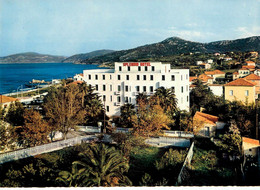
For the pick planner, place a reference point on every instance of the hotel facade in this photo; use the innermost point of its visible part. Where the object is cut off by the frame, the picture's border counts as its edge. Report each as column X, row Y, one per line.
column 121, row 85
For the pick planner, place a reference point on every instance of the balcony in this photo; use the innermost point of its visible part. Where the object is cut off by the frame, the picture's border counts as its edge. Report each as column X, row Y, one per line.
column 117, row 93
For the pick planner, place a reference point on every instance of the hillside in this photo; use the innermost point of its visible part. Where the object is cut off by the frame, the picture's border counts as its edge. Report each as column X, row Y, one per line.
column 174, row 46
column 31, row 57
column 79, row 57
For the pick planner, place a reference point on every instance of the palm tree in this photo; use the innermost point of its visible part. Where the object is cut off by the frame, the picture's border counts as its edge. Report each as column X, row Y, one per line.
column 75, row 178
column 167, row 100
column 127, row 111
column 142, row 98
column 105, row 165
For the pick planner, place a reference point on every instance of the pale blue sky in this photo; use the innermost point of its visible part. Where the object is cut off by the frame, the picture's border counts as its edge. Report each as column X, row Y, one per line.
column 67, row 27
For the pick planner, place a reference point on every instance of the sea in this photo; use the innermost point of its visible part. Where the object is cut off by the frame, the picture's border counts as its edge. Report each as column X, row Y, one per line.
column 14, row 76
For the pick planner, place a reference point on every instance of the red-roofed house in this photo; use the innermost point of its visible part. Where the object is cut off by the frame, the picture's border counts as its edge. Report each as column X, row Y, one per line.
column 5, row 101
column 79, row 77
column 235, row 75
column 250, row 146
column 250, row 63
column 256, row 79
column 204, row 78
column 215, row 74
column 240, row 90
column 250, row 67
column 243, row 72
column 206, row 124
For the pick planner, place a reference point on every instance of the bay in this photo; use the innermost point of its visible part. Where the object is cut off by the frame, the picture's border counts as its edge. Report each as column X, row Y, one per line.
column 13, row 75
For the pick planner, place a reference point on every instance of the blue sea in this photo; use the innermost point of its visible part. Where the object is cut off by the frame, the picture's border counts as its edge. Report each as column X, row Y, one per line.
column 13, row 75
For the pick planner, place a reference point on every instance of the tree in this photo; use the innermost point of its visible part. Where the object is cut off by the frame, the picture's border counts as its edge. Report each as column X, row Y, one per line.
column 7, row 136
column 127, row 111
column 93, row 106
column 106, row 166
column 199, row 96
column 75, row 178
column 150, row 119
column 231, row 142
column 63, row 108
column 35, row 130
column 167, row 100
column 15, row 113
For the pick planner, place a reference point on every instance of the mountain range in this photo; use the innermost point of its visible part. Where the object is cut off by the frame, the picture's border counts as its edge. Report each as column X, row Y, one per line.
column 156, row 51
column 173, row 46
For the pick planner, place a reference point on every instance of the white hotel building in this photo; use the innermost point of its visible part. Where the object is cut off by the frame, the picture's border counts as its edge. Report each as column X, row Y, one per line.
column 121, row 85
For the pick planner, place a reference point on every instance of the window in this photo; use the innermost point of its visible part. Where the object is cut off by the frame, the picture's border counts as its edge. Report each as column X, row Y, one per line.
column 104, row 77
column 118, row 99
column 89, row 77
column 186, row 76
column 139, row 68
column 163, row 77
column 110, row 77
column 173, row 77
column 144, row 88
column 104, row 87
column 246, row 93
column 118, row 77
column 111, row 87
column 96, row 87
column 128, row 68
column 146, row 68
column 187, row 98
column 151, row 77
column 182, row 89
column 127, row 77
column 120, row 68
column 181, row 77
column 138, row 88
column 118, row 88
column 111, row 98
column 130, row 99
column 96, row 76
column 126, row 99
column 126, row 88
column 187, row 88
column 137, row 77
column 231, row 93
column 144, row 77
column 104, row 97
column 151, row 88
column 173, row 89
column 107, row 108
column 152, row 68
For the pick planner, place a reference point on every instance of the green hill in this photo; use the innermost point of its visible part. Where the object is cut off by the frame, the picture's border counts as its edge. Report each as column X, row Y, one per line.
column 79, row 57
column 175, row 46
column 31, row 57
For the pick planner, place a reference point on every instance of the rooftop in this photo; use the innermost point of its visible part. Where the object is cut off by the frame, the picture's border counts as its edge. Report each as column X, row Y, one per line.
column 252, row 77
column 207, row 118
column 215, row 72
column 240, row 82
column 251, row 141
column 5, row 99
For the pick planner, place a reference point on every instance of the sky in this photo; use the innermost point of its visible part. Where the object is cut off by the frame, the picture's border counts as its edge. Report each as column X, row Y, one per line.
column 68, row 27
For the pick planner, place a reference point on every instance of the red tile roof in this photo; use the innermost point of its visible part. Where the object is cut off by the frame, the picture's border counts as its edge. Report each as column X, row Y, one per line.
column 215, row 72
column 248, row 66
column 251, row 141
column 211, row 119
column 6, row 99
column 81, row 74
column 192, row 78
column 244, row 68
column 252, row 77
column 240, row 82
column 250, row 62
column 204, row 77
